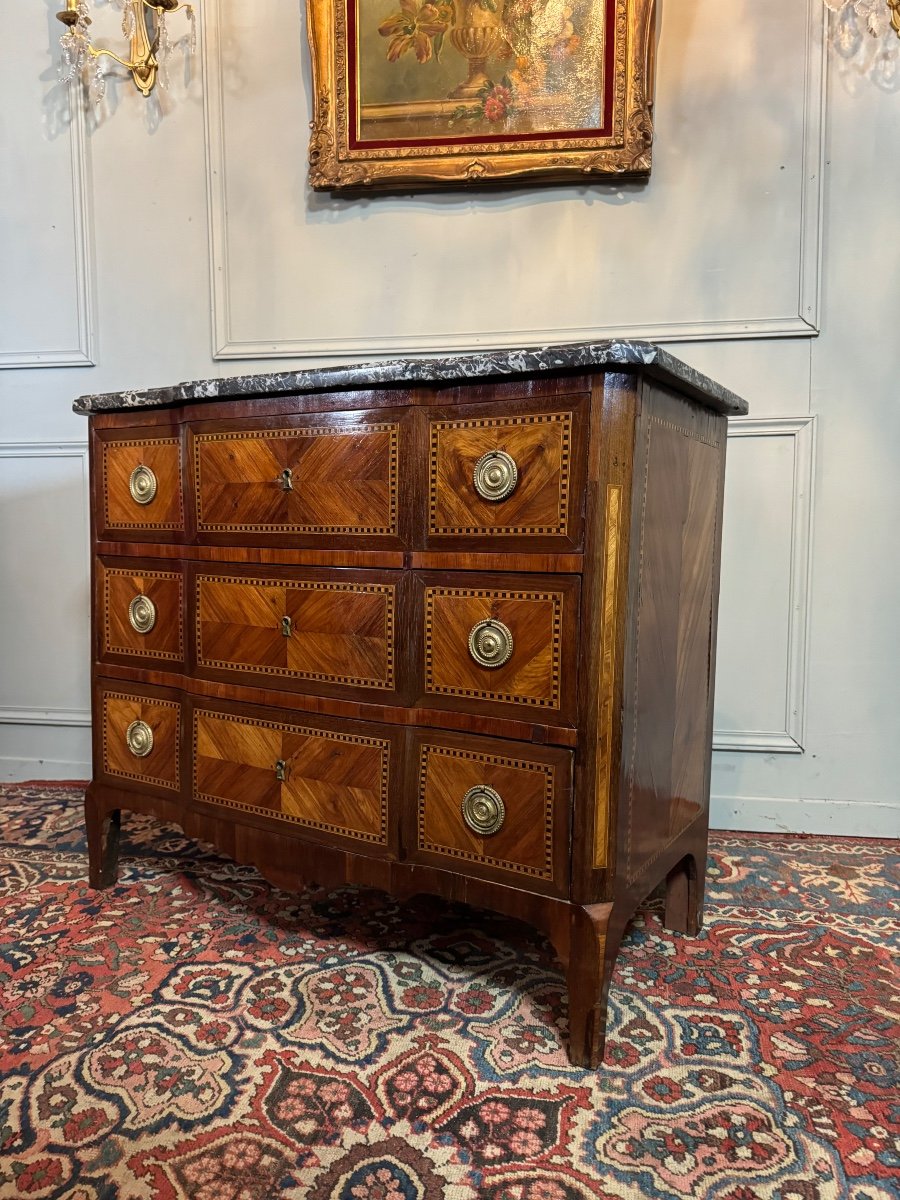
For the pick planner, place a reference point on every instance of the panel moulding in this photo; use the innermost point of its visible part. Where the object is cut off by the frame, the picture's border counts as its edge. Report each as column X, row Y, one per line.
column 790, row 739
column 81, row 355
column 29, row 715
column 804, row 322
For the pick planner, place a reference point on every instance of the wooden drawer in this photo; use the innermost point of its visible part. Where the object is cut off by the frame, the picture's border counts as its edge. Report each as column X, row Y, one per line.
column 323, row 631
column 301, row 481
column 139, row 733
column 140, row 612
column 508, row 477
column 333, row 779
column 526, row 791
column 140, row 486
column 468, row 623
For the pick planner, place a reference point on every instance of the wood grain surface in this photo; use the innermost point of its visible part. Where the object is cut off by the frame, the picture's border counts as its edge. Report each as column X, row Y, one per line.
column 314, row 704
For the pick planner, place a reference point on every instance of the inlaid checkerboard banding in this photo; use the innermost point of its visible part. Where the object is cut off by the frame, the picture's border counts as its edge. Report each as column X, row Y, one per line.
column 392, row 429
column 560, row 528
column 556, row 598
column 545, row 872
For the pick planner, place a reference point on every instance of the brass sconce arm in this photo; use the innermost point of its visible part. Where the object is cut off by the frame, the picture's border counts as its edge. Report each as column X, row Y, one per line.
column 143, row 62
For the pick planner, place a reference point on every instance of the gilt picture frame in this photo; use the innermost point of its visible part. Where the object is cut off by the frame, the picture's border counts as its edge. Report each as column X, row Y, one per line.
column 439, row 93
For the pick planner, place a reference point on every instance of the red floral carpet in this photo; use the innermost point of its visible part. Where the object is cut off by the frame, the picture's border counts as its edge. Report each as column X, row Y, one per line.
column 194, row 1033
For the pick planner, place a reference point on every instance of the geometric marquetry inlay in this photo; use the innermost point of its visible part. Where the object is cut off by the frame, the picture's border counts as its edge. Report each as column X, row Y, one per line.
column 119, row 460
column 334, row 782
column 540, row 446
column 160, row 765
column 533, row 672
column 329, row 479
column 164, row 639
column 524, row 842
column 334, row 632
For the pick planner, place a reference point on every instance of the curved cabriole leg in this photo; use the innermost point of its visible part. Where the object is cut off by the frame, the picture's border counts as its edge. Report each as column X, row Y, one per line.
column 103, row 842
column 594, row 943
column 685, row 887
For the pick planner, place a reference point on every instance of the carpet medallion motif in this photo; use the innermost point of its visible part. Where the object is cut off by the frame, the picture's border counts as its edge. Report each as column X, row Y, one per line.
column 195, row 1033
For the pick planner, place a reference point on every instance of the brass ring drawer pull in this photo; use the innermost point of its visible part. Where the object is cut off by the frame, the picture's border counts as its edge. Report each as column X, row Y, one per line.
column 142, row 485
column 496, row 475
column 483, row 809
column 490, row 643
column 139, row 738
column 142, row 613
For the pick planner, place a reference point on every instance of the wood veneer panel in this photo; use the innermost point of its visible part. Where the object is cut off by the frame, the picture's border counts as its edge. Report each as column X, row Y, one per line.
column 118, row 582
column 345, row 478
column 337, row 781
column 541, row 614
column 428, row 560
column 301, row 630
column 545, row 440
column 669, row 672
column 535, row 787
column 117, row 511
column 161, row 768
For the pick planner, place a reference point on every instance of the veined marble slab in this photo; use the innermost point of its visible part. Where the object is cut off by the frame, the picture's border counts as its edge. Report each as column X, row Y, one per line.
column 488, row 364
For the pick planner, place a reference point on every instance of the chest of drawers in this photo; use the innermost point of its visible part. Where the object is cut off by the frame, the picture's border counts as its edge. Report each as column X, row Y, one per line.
column 442, row 627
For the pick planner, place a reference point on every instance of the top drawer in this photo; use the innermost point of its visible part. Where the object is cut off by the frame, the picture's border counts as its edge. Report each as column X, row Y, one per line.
column 507, row 473
column 302, row 480
column 140, row 485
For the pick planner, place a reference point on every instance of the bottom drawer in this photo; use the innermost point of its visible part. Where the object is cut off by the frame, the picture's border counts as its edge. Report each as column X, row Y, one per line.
column 140, row 737
column 334, row 782
column 500, row 810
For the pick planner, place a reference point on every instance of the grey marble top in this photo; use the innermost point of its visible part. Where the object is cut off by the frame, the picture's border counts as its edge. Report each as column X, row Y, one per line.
column 487, row 364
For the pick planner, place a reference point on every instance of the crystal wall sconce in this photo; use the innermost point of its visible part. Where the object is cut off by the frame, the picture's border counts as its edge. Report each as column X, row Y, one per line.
column 143, row 23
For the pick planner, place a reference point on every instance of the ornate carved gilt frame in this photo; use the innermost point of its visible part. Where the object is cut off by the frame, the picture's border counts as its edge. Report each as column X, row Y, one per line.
column 334, row 164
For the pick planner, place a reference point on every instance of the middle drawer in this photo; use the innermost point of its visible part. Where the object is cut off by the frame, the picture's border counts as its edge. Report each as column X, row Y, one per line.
column 501, row 645
column 310, row 630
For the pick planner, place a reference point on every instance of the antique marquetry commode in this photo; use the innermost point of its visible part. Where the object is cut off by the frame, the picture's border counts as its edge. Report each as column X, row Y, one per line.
column 427, row 626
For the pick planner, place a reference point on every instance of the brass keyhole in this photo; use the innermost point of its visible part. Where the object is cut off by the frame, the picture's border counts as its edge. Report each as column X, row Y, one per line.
column 287, row 480
column 281, row 770
column 287, row 627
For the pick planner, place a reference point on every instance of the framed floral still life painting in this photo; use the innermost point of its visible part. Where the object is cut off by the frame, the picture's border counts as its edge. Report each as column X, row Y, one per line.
column 418, row 93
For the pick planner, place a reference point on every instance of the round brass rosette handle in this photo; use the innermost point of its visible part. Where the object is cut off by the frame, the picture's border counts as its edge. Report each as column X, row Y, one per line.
column 142, row 485
column 142, row 613
column 483, row 809
column 490, row 643
column 496, row 475
column 139, row 738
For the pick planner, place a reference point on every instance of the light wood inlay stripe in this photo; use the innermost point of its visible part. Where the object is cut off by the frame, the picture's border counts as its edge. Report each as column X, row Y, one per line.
column 608, row 639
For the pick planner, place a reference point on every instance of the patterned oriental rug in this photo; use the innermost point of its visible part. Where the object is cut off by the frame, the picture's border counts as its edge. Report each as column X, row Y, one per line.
column 194, row 1033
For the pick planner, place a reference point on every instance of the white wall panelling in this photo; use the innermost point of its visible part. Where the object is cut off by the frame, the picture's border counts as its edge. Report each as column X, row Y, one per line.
column 717, row 245
column 45, row 603
column 766, row 577
column 46, row 299
column 721, row 245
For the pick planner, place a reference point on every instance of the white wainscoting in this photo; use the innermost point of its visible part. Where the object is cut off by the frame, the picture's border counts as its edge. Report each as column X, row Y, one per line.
column 46, row 254
column 45, row 610
column 765, row 592
column 727, row 247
